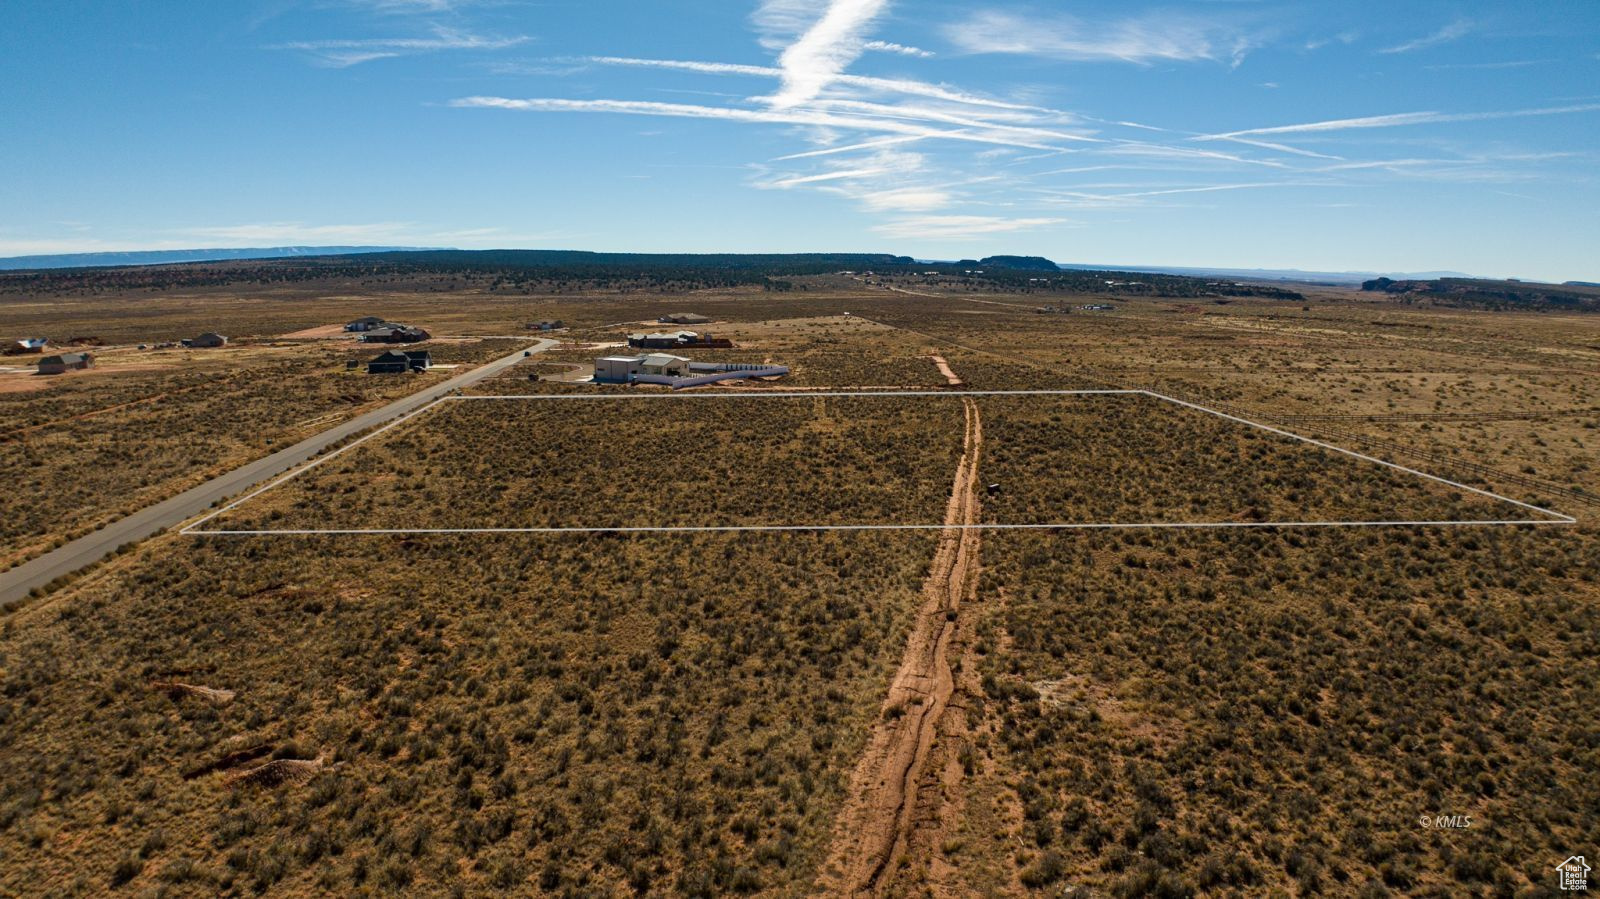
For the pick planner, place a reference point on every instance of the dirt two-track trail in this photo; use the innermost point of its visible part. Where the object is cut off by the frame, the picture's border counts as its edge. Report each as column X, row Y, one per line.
column 875, row 839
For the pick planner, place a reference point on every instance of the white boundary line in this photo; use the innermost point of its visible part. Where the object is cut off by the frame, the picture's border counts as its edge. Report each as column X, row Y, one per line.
column 794, row 394
column 1555, row 518
column 1559, row 518
column 1148, row 525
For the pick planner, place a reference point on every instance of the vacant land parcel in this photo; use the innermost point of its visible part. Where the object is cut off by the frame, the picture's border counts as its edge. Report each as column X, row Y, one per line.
column 1255, row 713
column 826, row 460
column 511, row 713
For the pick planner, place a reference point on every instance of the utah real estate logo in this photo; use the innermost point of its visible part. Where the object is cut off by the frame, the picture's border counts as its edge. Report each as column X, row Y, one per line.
column 1574, row 874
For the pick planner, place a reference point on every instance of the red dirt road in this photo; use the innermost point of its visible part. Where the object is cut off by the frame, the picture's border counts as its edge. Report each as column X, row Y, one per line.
column 875, row 825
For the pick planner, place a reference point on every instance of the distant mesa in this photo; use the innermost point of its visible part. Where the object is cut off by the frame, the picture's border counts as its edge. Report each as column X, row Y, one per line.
column 1489, row 294
column 1020, row 263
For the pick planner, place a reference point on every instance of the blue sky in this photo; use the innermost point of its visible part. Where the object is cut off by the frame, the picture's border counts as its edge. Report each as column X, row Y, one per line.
column 1320, row 135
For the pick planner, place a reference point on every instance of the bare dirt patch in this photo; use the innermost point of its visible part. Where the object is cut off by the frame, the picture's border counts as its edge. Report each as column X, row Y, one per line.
column 944, row 369
column 23, row 383
column 321, row 332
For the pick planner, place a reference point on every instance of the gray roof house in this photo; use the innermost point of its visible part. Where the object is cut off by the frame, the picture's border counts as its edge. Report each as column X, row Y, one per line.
column 398, row 362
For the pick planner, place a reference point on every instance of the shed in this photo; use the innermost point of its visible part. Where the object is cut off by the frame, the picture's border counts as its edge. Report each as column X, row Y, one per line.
column 28, row 345
column 365, row 323
column 57, row 365
column 617, row 369
column 398, row 362
column 209, row 340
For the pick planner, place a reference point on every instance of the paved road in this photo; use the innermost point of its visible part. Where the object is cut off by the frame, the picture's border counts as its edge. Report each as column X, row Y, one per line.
column 16, row 583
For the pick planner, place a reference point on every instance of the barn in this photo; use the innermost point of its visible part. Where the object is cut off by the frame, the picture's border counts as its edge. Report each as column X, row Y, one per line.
column 59, row 365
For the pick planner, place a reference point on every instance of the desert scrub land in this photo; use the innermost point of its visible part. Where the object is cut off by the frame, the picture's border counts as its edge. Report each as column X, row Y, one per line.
column 1272, row 713
column 82, row 449
column 1132, row 458
column 685, row 460
column 1517, row 391
column 572, row 715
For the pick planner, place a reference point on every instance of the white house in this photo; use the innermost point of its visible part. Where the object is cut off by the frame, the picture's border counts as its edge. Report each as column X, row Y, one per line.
column 621, row 369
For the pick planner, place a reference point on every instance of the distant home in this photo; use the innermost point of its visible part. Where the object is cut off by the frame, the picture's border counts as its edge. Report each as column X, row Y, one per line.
column 398, row 362
column 27, row 345
column 684, row 318
column 554, row 324
column 678, row 340
column 395, row 334
column 365, row 323
column 209, row 340
column 60, row 365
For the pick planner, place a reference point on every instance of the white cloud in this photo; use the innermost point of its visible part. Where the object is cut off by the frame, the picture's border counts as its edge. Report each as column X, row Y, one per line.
column 780, row 22
column 1453, row 31
column 902, row 49
column 1346, row 37
column 824, row 50
column 1000, row 135
column 906, row 199
column 687, row 65
column 1400, row 119
column 847, row 174
column 1144, row 39
column 851, row 148
column 1281, row 148
column 412, row 6
column 865, row 82
column 958, row 227
column 854, row 128
column 1162, row 151
column 992, row 122
column 344, row 53
column 1508, row 64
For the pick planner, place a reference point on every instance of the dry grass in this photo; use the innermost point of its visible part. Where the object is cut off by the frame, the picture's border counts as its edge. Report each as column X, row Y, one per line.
column 1172, row 713
column 579, row 713
column 1254, row 713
